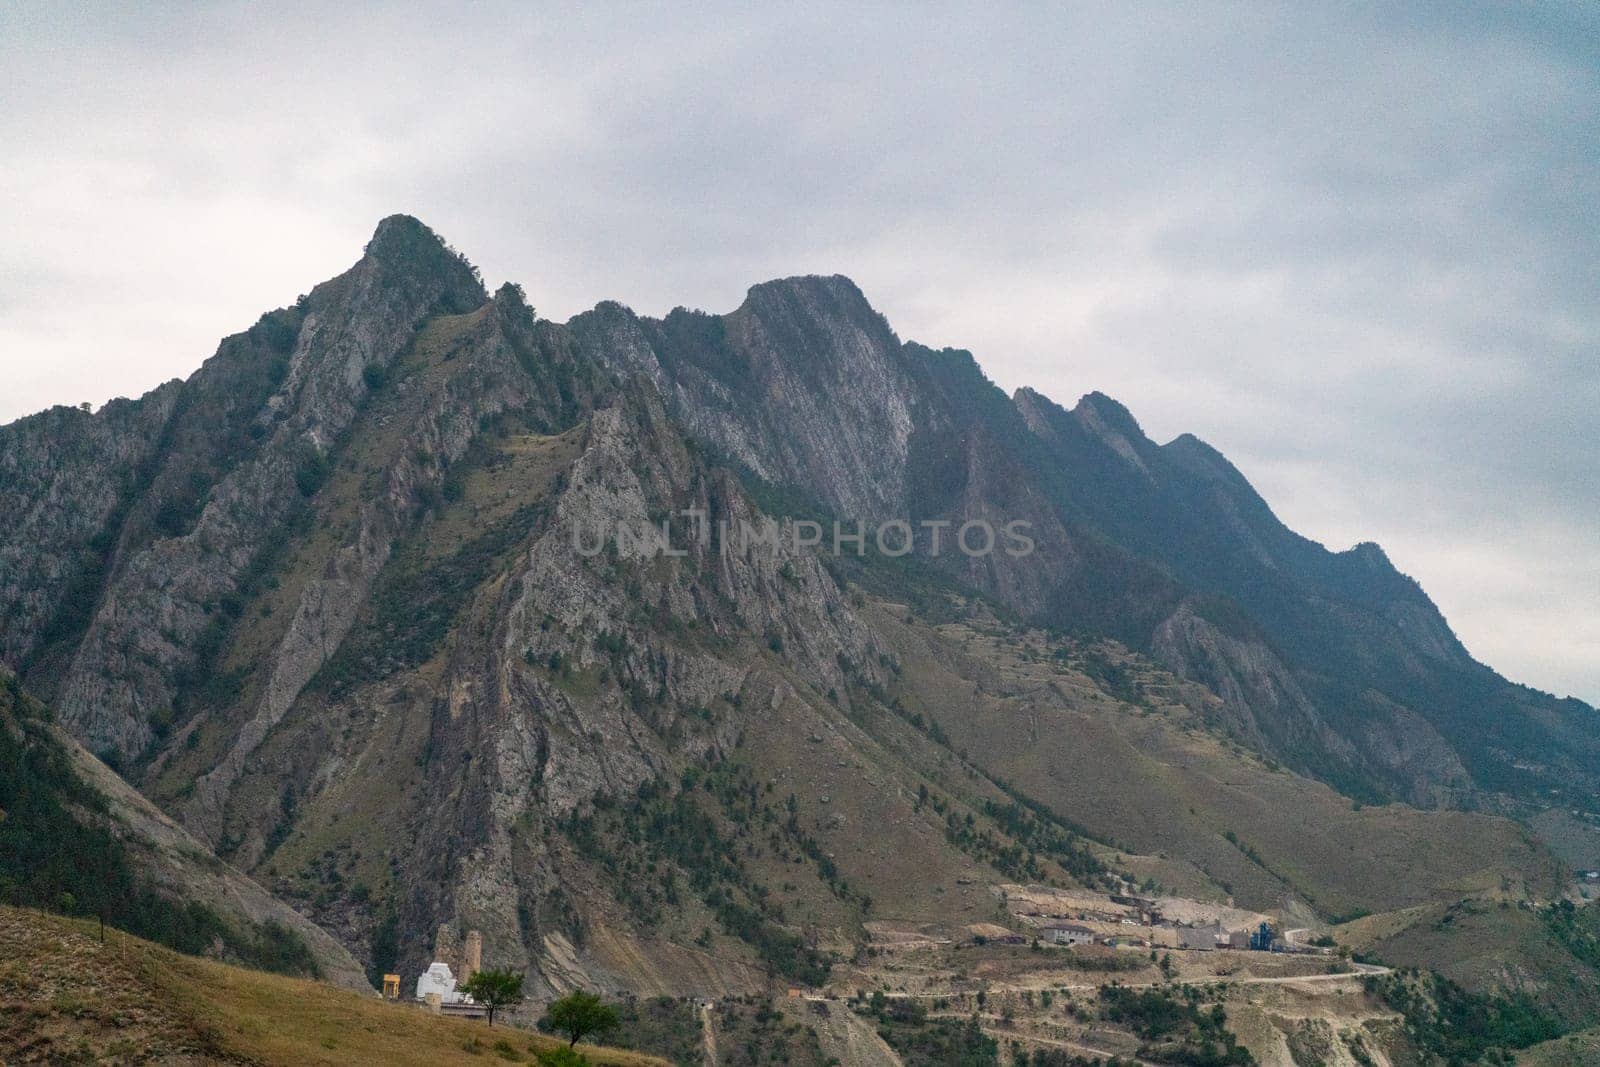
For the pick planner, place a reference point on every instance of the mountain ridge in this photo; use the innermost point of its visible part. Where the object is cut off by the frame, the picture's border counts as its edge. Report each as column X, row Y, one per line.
column 803, row 384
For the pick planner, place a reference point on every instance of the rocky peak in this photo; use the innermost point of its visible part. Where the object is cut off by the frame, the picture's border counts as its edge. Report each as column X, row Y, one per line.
column 1370, row 554
column 1114, row 426
column 834, row 295
column 817, row 323
column 253, row 435
column 1096, row 417
column 799, row 385
column 402, row 242
column 1038, row 411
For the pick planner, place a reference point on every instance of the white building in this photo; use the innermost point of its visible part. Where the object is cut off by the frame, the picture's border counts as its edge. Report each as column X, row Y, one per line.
column 1070, row 934
column 438, row 979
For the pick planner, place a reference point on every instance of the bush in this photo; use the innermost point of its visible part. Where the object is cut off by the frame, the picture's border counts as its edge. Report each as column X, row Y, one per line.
column 311, row 472
column 563, row 1057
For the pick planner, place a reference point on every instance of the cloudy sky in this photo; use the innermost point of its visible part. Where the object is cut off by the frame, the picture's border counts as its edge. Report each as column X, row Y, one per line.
column 1355, row 250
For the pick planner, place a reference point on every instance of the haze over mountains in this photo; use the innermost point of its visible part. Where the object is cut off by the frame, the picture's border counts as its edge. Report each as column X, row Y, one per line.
column 320, row 603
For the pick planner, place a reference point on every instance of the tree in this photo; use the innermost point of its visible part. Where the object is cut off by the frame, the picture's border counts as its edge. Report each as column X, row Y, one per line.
column 494, row 989
column 578, row 1015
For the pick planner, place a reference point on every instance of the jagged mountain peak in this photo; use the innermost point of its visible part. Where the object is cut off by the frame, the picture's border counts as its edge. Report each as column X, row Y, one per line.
column 1039, row 413
column 268, row 571
column 1097, row 410
column 806, row 308
column 1099, row 416
column 833, row 286
column 404, row 252
column 399, row 233
column 1369, row 552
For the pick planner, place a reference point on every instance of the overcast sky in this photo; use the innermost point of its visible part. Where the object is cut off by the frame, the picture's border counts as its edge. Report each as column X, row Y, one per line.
column 1357, row 251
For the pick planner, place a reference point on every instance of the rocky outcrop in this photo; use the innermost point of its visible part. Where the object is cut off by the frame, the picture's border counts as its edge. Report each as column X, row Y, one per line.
column 1415, row 754
column 804, row 384
column 437, row 416
column 1261, row 701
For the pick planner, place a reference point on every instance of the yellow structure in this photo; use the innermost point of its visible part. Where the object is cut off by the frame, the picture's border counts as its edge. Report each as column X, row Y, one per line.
column 391, row 987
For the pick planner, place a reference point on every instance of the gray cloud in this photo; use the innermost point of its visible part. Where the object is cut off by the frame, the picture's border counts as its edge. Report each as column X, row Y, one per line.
column 1354, row 249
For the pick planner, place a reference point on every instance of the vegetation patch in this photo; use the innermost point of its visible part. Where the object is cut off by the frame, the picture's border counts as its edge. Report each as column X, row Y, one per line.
column 1459, row 1026
column 668, row 1027
column 416, row 602
column 937, row 1042
column 666, row 839
column 750, row 1032
column 1175, row 1029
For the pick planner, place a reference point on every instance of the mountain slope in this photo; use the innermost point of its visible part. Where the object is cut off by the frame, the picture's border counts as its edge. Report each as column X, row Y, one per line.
column 1357, row 647
column 77, row 838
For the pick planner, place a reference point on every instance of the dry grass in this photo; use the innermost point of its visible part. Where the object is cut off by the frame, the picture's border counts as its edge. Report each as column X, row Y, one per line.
column 65, row 996
column 1159, row 782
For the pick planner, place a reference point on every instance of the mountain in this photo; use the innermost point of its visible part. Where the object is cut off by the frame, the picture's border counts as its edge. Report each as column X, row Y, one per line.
column 370, row 606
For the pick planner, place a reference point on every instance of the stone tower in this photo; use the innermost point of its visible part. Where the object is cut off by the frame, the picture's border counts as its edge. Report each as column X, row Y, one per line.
column 471, row 955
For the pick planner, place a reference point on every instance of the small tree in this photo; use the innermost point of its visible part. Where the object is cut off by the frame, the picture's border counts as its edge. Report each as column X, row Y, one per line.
column 494, row 989
column 578, row 1015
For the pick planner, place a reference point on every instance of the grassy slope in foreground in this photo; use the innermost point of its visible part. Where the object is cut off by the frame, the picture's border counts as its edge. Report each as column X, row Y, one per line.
column 64, row 995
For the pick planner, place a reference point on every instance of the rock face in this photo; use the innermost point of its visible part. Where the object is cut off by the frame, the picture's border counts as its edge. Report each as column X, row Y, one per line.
column 429, row 429
column 537, row 747
column 426, row 611
column 66, row 480
column 803, row 385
